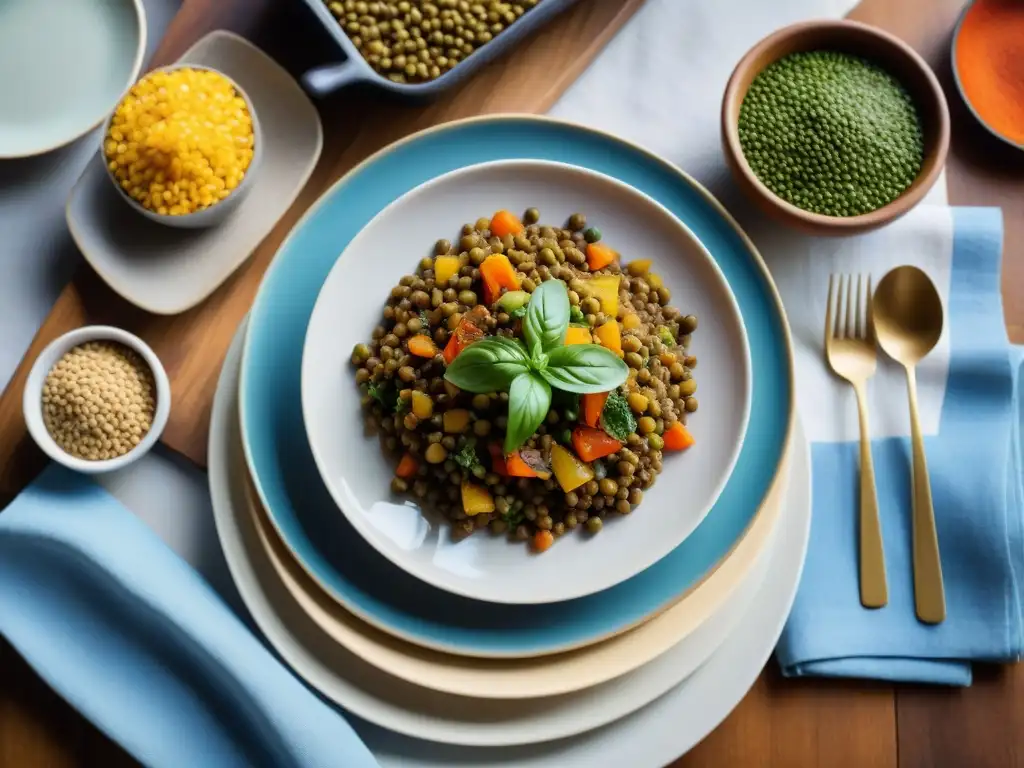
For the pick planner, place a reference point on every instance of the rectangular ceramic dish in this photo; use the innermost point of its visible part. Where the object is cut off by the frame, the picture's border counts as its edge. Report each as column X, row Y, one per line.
column 328, row 78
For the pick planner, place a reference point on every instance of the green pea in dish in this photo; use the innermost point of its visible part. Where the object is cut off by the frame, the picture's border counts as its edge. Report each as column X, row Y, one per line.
column 831, row 133
column 528, row 382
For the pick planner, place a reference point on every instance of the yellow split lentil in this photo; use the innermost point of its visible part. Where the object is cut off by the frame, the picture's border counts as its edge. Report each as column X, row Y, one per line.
column 180, row 141
column 99, row 400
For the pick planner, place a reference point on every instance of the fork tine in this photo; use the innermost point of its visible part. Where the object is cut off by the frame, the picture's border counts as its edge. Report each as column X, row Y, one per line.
column 840, row 329
column 851, row 309
column 870, row 331
column 830, row 313
column 860, row 331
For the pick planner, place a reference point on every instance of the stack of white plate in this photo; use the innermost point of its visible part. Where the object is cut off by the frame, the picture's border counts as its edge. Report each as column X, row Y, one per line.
column 621, row 649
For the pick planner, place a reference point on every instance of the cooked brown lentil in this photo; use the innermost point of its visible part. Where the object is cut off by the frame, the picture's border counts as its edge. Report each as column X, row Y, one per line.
column 415, row 41
column 448, row 433
column 99, row 400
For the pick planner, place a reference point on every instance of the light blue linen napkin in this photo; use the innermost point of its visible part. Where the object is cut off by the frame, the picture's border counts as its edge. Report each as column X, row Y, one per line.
column 138, row 642
column 975, row 467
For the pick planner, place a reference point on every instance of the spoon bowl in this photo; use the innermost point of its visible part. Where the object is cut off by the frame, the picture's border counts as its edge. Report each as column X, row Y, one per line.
column 908, row 315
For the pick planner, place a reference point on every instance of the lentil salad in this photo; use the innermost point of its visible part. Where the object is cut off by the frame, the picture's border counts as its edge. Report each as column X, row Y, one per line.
column 527, row 380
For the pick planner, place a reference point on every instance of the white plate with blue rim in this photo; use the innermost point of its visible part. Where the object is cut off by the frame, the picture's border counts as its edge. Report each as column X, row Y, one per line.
column 493, row 568
column 284, row 470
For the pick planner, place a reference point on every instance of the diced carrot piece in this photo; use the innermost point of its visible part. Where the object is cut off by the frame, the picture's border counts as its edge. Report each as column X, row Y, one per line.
column 407, row 467
column 516, row 467
column 421, row 345
column 592, row 444
column 576, row 335
column 599, row 256
column 677, row 437
column 497, row 273
column 506, row 223
column 592, row 405
column 542, row 541
column 609, row 336
column 465, row 333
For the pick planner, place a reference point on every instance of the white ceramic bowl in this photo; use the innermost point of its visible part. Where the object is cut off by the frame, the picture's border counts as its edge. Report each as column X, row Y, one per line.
column 217, row 212
column 32, row 399
column 483, row 566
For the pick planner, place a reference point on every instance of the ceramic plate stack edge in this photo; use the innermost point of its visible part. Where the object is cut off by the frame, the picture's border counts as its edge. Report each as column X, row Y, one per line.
column 446, row 650
column 773, row 580
column 284, row 467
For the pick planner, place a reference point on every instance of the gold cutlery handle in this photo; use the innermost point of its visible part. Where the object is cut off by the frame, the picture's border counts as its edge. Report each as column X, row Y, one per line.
column 929, row 593
column 874, row 592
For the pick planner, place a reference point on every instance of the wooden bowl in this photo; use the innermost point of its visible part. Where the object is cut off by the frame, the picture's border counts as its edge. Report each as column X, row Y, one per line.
column 877, row 46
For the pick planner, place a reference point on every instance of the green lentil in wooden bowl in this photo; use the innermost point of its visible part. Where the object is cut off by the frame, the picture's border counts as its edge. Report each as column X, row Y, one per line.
column 835, row 127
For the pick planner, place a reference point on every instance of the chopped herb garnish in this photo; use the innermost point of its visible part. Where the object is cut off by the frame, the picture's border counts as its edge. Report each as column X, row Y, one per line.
column 382, row 393
column 666, row 335
column 513, row 518
column 518, row 314
column 425, row 322
column 617, row 417
column 401, row 406
column 576, row 317
column 466, row 457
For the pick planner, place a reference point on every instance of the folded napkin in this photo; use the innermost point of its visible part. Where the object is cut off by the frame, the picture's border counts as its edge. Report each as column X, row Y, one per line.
column 975, row 466
column 131, row 636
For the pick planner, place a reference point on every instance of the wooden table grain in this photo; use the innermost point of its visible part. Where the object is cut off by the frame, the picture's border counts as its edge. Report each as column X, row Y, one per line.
column 780, row 723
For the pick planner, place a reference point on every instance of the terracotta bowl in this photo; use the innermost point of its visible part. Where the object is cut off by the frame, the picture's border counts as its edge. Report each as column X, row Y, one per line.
column 861, row 40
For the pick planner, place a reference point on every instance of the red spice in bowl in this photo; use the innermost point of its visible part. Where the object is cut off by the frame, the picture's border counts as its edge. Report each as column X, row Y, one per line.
column 988, row 63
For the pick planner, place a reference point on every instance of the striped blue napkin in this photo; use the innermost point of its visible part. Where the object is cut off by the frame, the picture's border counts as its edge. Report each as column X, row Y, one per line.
column 134, row 639
column 975, row 467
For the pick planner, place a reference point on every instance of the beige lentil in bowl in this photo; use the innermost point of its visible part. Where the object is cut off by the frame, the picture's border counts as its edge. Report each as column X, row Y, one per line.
column 96, row 399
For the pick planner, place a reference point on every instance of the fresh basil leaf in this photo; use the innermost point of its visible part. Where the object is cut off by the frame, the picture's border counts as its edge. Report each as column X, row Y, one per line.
column 584, row 369
column 529, row 399
column 547, row 316
column 488, row 365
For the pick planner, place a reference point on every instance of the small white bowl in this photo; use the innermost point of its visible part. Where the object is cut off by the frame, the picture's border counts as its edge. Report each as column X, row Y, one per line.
column 217, row 212
column 32, row 399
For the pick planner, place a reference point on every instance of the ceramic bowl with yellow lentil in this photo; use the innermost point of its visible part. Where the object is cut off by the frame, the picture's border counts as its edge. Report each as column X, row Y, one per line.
column 183, row 146
column 526, row 384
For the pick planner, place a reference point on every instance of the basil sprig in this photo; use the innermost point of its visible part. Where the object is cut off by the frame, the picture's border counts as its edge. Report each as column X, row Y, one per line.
column 499, row 363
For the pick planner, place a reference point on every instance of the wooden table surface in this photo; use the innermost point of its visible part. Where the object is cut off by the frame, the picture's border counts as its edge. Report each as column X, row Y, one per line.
column 780, row 722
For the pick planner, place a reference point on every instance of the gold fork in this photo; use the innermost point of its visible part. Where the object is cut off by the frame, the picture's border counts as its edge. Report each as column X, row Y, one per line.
column 850, row 349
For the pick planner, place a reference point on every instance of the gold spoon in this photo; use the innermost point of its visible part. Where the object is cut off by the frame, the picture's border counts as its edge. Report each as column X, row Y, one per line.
column 908, row 322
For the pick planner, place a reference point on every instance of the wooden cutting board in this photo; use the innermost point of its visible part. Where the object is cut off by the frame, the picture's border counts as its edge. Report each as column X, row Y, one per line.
column 192, row 345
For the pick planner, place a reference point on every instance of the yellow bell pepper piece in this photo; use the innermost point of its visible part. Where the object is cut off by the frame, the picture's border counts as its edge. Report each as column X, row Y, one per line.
column 445, row 267
column 476, row 499
column 606, row 290
column 456, row 421
column 570, row 472
column 422, row 405
column 631, row 321
column 576, row 335
column 638, row 267
column 609, row 336
column 655, row 281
